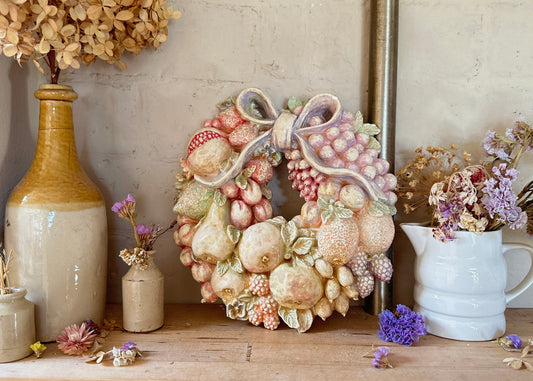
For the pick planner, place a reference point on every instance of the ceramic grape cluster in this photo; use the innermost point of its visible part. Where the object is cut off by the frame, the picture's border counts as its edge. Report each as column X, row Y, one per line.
column 264, row 267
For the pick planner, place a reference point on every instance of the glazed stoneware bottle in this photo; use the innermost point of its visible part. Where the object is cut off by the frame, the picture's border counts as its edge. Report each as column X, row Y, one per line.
column 56, row 225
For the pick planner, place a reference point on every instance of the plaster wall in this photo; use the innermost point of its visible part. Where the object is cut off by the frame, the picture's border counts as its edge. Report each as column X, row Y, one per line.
column 464, row 67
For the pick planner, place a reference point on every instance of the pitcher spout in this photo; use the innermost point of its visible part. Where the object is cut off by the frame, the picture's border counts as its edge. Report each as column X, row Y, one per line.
column 418, row 234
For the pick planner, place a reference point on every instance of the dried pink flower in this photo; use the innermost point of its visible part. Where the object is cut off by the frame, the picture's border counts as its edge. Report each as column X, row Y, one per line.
column 74, row 340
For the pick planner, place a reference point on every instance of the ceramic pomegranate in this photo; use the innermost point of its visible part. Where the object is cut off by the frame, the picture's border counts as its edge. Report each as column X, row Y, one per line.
column 207, row 150
column 229, row 285
column 296, row 286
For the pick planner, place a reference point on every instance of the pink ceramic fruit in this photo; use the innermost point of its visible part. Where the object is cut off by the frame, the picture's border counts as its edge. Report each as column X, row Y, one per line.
column 208, row 294
column 261, row 248
column 311, row 214
column 352, row 196
column 229, row 285
column 186, row 234
column 252, row 193
column 207, row 150
column 375, row 233
column 263, row 171
column 186, row 257
column 229, row 119
column 242, row 135
column 262, row 210
column 240, row 214
column 338, row 240
column 202, row 271
column 297, row 287
column 231, row 189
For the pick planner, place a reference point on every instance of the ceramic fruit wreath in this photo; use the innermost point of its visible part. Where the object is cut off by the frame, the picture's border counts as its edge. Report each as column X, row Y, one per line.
column 264, row 267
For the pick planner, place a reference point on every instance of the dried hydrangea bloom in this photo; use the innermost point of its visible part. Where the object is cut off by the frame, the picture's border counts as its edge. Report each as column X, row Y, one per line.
column 431, row 165
column 65, row 33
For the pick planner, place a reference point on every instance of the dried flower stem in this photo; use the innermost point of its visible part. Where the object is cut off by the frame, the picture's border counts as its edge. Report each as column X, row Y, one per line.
column 137, row 238
column 159, row 233
column 54, row 69
column 5, row 286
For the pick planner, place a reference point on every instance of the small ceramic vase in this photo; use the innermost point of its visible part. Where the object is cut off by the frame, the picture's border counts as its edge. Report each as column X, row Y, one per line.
column 17, row 325
column 460, row 285
column 143, row 297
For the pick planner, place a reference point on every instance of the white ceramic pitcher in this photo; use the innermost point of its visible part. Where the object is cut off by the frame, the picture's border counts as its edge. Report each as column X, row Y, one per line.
column 460, row 285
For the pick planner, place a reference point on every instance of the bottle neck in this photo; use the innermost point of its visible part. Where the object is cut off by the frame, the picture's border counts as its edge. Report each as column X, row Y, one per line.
column 56, row 146
column 56, row 176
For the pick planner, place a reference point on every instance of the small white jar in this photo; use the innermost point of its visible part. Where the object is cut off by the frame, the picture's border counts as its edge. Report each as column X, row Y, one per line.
column 143, row 298
column 17, row 325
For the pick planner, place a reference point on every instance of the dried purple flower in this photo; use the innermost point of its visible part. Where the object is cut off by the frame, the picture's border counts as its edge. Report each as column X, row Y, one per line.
column 92, row 326
column 402, row 327
column 126, row 208
column 128, row 346
column 380, row 359
column 515, row 340
column 496, row 146
column 500, row 200
column 511, row 343
column 117, row 206
column 143, row 229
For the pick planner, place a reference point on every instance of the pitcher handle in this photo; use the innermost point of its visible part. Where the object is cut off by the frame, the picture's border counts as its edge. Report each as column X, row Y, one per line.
column 528, row 279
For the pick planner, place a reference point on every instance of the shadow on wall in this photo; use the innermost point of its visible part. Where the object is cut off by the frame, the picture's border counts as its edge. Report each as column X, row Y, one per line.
column 18, row 143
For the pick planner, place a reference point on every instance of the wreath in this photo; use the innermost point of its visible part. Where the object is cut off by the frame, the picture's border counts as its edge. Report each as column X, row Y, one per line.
column 264, row 267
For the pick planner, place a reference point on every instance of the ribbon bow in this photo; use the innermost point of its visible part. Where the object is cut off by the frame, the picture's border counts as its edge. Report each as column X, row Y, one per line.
column 285, row 128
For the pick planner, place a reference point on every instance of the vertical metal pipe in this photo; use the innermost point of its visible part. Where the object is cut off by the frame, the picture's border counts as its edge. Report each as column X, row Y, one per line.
column 382, row 105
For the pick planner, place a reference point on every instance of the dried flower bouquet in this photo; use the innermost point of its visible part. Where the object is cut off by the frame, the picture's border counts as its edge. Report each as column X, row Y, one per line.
column 64, row 33
column 145, row 236
column 466, row 196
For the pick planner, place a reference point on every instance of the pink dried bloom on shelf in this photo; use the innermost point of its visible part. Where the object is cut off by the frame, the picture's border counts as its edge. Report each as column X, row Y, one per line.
column 74, row 340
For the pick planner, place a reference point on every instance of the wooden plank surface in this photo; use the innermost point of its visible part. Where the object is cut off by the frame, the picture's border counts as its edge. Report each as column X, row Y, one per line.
column 198, row 342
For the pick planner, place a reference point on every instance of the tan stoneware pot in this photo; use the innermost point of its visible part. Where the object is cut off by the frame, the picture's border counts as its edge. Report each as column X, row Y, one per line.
column 17, row 325
column 143, row 297
column 56, row 225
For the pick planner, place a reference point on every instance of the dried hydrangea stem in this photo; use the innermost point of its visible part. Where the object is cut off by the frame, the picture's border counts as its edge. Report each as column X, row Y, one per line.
column 54, row 69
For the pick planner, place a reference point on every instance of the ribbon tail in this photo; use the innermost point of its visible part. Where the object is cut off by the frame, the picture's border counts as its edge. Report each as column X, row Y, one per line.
column 246, row 154
column 373, row 191
column 256, row 107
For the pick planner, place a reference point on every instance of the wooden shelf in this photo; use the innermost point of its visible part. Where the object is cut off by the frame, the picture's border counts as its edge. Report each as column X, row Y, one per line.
column 198, row 342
